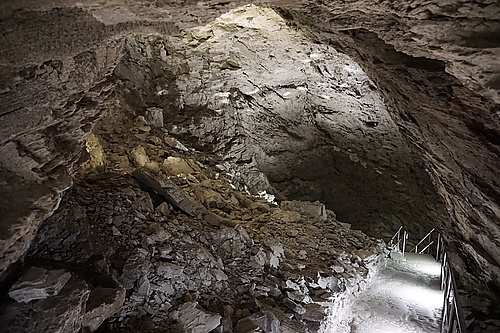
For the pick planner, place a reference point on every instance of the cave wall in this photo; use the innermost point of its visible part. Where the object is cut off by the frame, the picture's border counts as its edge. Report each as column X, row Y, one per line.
column 455, row 130
column 460, row 158
column 57, row 59
column 56, row 66
column 300, row 121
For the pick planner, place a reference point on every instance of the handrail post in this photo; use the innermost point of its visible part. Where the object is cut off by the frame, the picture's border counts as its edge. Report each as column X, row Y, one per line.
column 438, row 245
column 452, row 317
column 399, row 237
column 405, row 236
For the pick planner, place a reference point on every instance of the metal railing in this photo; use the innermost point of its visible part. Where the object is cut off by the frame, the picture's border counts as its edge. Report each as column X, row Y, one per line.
column 433, row 243
column 452, row 319
column 432, row 238
column 398, row 241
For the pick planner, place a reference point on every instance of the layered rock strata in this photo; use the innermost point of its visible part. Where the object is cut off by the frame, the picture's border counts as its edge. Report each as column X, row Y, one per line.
column 57, row 63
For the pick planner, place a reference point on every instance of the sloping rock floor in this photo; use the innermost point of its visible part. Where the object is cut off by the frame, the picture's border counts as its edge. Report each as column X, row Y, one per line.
column 117, row 257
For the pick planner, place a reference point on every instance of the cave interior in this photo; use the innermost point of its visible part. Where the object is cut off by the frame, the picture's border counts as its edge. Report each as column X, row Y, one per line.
column 219, row 166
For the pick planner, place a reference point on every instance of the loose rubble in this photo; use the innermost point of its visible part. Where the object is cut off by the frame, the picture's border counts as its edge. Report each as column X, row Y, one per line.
column 213, row 259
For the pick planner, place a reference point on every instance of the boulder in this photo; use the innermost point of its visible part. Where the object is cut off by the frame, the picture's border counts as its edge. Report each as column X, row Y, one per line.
column 101, row 305
column 314, row 312
column 135, row 267
column 154, row 117
column 216, row 220
column 264, row 321
column 57, row 314
column 258, row 260
column 169, row 271
column 64, row 312
column 163, row 209
column 174, row 143
column 312, row 209
column 177, row 166
column 192, row 319
column 139, row 156
column 276, row 256
column 294, row 306
column 329, row 282
column 209, row 198
column 39, row 283
column 286, row 216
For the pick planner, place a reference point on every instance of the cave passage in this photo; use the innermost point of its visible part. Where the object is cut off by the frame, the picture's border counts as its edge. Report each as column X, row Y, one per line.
column 158, row 175
column 403, row 297
column 296, row 119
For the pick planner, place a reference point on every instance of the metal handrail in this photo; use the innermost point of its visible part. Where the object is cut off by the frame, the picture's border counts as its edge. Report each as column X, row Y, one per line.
column 415, row 249
column 452, row 317
column 425, row 248
column 396, row 235
column 401, row 240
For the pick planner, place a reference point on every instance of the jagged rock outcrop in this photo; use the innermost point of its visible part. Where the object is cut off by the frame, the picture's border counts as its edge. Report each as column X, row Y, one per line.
column 430, row 82
column 295, row 118
column 151, row 267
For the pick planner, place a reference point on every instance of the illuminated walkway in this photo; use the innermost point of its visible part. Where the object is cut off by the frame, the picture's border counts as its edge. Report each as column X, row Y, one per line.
column 404, row 297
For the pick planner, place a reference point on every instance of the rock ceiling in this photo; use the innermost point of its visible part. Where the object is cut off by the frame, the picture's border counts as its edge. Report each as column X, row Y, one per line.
column 387, row 111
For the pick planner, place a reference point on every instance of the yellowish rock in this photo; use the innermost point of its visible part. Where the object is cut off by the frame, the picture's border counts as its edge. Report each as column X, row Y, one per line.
column 152, row 166
column 94, row 148
column 209, row 198
column 177, row 166
column 286, row 216
column 139, row 156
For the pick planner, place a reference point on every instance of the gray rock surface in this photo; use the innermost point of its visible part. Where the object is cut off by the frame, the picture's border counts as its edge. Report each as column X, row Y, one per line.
column 412, row 139
column 322, row 134
column 39, row 283
column 195, row 320
column 101, row 305
column 154, row 117
column 61, row 313
column 264, row 321
column 182, row 273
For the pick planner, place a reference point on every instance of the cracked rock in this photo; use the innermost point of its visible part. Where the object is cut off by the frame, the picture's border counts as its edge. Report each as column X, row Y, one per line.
column 154, row 117
column 294, row 306
column 101, row 305
column 264, row 321
column 39, row 283
column 192, row 319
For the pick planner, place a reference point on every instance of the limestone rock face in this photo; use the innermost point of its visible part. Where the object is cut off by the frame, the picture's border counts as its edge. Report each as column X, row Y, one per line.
column 296, row 119
column 148, row 269
column 388, row 114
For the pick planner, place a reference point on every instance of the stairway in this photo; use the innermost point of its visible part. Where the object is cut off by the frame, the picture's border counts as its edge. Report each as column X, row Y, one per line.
column 404, row 297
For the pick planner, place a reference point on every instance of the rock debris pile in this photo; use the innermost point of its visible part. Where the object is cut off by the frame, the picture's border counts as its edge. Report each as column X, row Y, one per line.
column 388, row 114
column 293, row 118
column 157, row 236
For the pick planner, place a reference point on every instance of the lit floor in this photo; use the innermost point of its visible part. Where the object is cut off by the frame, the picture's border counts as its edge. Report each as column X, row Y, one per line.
column 404, row 297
